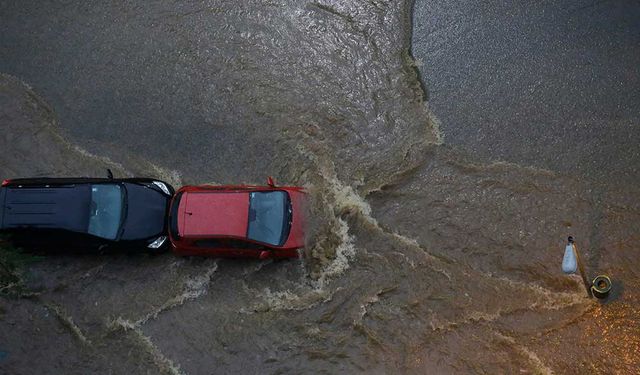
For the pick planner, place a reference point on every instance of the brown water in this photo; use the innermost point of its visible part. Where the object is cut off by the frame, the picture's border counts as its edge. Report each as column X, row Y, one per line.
column 420, row 258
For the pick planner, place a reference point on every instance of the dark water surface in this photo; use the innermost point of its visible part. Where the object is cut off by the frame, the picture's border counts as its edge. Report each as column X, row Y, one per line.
column 423, row 257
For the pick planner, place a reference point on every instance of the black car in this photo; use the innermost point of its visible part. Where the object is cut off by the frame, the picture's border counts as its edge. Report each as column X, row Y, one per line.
column 85, row 213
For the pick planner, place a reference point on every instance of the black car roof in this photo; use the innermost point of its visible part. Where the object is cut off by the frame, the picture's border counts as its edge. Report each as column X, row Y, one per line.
column 61, row 206
column 74, row 180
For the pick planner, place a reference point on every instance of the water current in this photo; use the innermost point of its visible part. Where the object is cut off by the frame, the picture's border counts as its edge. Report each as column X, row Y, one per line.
column 422, row 256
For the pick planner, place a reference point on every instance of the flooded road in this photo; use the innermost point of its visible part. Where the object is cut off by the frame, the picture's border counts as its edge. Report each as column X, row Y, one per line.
column 548, row 85
column 423, row 256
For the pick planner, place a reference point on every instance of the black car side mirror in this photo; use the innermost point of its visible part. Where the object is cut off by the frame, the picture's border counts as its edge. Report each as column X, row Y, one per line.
column 109, row 174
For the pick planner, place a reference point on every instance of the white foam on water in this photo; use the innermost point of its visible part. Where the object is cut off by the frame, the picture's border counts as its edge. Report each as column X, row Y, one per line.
column 119, row 168
column 549, row 299
column 289, row 301
column 171, row 176
column 435, row 125
column 344, row 199
column 543, row 299
column 120, row 323
column 345, row 252
column 193, row 288
column 364, row 306
column 160, row 360
column 538, row 366
column 67, row 321
column 340, row 198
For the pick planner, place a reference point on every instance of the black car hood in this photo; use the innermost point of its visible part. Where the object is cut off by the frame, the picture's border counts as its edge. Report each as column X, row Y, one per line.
column 63, row 207
column 146, row 212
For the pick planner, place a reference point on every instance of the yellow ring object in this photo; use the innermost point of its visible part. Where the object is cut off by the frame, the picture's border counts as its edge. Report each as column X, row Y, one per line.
column 601, row 286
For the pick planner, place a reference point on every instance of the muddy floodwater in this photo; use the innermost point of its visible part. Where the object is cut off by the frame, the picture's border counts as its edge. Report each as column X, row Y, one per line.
column 448, row 149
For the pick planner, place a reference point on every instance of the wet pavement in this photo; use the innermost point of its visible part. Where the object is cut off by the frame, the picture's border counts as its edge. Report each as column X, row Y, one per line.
column 550, row 85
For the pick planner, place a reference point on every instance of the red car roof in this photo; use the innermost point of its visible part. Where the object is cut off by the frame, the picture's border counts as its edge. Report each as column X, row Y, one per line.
column 213, row 214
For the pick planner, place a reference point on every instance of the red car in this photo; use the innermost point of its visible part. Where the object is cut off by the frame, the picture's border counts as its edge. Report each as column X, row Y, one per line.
column 238, row 221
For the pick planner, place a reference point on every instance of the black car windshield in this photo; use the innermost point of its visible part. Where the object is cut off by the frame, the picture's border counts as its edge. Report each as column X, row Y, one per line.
column 106, row 210
column 269, row 217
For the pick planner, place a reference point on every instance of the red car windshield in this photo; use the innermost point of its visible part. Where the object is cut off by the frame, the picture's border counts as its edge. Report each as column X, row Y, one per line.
column 269, row 217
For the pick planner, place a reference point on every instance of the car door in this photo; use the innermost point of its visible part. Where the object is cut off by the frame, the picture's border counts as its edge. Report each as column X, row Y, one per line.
column 241, row 248
column 230, row 247
column 54, row 240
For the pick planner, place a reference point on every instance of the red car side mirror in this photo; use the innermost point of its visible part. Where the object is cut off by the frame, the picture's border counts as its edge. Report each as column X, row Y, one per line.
column 270, row 182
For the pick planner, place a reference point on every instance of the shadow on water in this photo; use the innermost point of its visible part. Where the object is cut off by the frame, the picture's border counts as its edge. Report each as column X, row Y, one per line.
column 616, row 294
